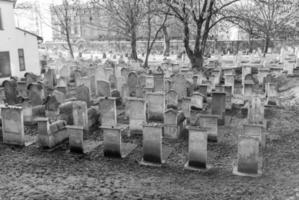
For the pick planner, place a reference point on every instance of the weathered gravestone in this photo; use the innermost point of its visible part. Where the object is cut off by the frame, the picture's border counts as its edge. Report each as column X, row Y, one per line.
column 211, row 123
column 229, row 80
column 171, row 98
column 197, row 100
column 137, row 114
column 180, row 85
column 186, row 107
column 173, row 123
column 13, row 127
column 154, row 153
column 248, row 90
column 218, row 106
column 113, row 145
column 77, row 143
column 256, row 111
column 255, row 130
column 248, row 162
column 107, row 107
column 158, row 82
column 10, row 89
column 203, row 89
column 197, row 149
column 83, row 94
column 132, row 84
column 51, row 107
column 22, row 89
column 51, row 135
column 35, row 94
column 228, row 97
column 155, row 107
column 74, row 113
column 50, row 79
column 103, row 89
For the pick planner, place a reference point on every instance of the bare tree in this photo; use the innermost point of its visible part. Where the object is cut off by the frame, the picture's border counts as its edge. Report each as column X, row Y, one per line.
column 156, row 18
column 126, row 17
column 266, row 19
column 203, row 15
column 64, row 16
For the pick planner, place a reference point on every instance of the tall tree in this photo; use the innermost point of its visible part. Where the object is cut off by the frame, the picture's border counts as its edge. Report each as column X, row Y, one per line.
column 126, row 16
column 203, row 15
column 65, row 16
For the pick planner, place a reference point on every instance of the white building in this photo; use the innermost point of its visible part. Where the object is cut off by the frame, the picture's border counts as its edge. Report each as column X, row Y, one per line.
column 18, row 48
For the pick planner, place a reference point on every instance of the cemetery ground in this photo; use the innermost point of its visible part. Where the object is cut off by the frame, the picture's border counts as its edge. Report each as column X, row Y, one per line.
column 32, row 173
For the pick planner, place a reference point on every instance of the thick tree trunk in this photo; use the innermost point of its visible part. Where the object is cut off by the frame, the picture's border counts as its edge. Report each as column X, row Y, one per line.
column 166, row 50
column 266, row 45
column 197, row 61
column 134, row 45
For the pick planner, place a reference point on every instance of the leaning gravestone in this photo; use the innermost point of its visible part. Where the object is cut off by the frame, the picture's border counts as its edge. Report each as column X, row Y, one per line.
column 13, row 127
column 103, row 89
column 197, row 149
column 249, row 162
column 154, row 153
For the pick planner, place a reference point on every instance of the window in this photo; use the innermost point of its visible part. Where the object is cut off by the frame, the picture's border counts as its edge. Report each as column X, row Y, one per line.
column 21, row 59
column 1, row 24
column 4, row 64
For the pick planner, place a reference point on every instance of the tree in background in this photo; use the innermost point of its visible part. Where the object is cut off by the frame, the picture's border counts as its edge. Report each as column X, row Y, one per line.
column 265, row 19
column 65, row 16
column 126, row 18
column 203, row 15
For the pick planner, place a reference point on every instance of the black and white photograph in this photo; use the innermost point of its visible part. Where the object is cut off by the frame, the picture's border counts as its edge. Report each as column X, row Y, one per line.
column 149, row 99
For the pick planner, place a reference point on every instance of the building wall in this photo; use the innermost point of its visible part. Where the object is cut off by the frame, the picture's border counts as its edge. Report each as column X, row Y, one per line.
column 11, row 39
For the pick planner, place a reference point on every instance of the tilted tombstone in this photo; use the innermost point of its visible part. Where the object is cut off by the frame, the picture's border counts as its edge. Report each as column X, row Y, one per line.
column 10, row 89
column 158, row 82
column 197, row 149
column 103, row 89
column 197, row 100
column 154, row 153
column 155, row 106
column 107, row 107
column 137, row 114
column 132, row 84
column 218, row 106
column 248, row 161
column 35, row 94
column 173, row 123
column 13, row 127
column 113, row 145
column 211, row 123
column 51, row 135
column 83, row 94
column 171, row 98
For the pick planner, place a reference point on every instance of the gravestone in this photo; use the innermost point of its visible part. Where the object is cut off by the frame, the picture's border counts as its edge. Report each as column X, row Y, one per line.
column 256, row 111
column 154, row 153
column 228, row 97
column 197, row 100
column 248, row 91
column 171, row 98
column 203, row 89
column 103, row 89
column 13, row 127
column 218, row 106
column 51, row 135
column 255, row 130
column 197, row 149
column 137, row 114
column 173, row 123
column 132, row 84
column 168, row 85
column 186, row 106
column 158, row 82
column 35, row 94
column 180, row 85
column 107, row 107
column 211, row 123
column 113, row 145
column 229, row 80
column 77, row 143
column 22, row 89
column 155, row 106
column 248, row 162
column 50, row 79
column 82, row 94
column 10, row 89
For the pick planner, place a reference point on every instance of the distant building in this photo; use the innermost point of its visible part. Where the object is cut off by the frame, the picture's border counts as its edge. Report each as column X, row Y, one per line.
column 19, row 48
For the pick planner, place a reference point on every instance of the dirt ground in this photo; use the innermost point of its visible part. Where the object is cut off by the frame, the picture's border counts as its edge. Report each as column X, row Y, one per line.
column 32, row 173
